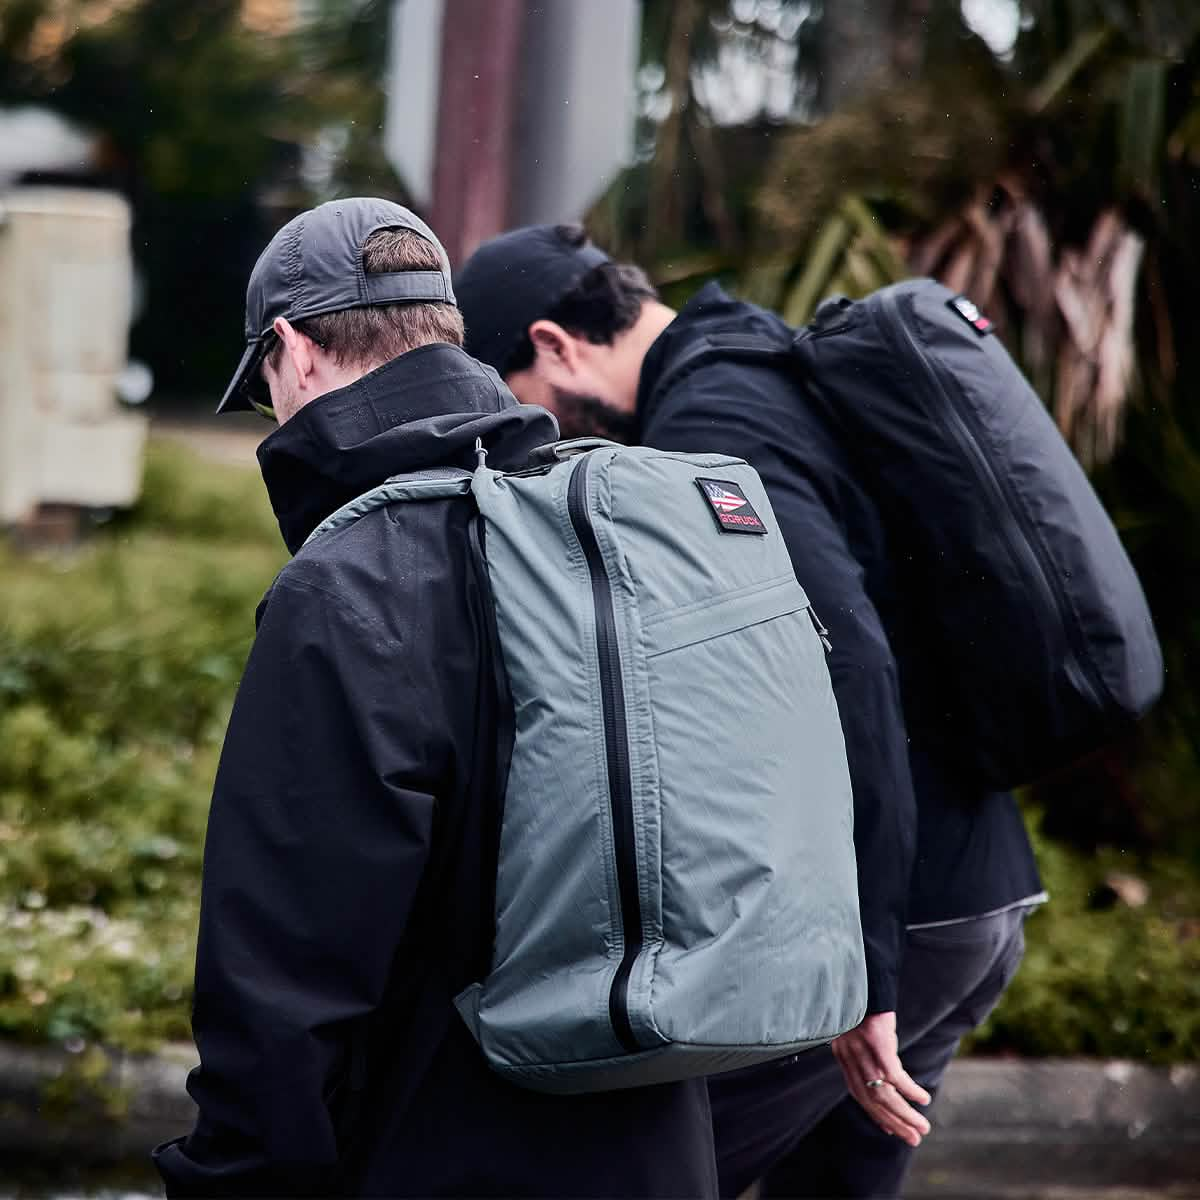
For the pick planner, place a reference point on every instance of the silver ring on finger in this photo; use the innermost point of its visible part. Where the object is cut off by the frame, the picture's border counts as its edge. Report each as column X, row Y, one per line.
column 876, row 1083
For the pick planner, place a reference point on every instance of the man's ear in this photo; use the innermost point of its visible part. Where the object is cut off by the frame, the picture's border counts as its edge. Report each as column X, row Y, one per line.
column 297, row 347
column 556, row 352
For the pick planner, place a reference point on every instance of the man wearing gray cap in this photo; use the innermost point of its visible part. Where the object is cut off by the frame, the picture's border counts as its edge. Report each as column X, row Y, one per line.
column 351, row 849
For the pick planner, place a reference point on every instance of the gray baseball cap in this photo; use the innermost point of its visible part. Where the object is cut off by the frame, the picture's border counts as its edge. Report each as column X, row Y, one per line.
column 314, row 265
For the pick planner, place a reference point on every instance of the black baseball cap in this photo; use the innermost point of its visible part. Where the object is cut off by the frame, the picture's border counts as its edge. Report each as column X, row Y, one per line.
column 514, row 280
column 314, row 265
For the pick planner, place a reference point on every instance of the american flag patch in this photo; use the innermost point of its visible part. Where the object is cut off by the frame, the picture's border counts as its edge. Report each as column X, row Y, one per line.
column 729, row 506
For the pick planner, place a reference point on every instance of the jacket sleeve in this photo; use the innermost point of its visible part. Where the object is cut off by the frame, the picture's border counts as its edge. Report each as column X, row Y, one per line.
column 318, row 834
column 751, row 412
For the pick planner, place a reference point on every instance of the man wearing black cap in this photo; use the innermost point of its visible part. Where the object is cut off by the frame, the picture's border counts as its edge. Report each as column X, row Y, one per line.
column 350, row 852
column 943, row 897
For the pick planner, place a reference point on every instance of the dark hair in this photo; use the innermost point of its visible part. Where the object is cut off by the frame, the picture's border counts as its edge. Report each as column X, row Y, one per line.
column 605, row 302
column 376, row 334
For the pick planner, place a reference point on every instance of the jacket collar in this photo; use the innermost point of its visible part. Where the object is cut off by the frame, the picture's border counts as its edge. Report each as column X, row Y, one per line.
column 417, row 412
column 710, row 306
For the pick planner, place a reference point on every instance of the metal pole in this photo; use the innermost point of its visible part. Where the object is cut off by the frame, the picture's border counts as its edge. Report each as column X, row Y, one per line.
column 481, row 47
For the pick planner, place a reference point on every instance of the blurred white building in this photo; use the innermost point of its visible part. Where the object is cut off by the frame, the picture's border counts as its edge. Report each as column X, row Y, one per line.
column 35, row 139
column 65, row 303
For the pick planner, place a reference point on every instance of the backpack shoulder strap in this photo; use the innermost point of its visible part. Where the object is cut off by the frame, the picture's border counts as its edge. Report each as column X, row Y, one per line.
column 742, row 347
column 419, row 485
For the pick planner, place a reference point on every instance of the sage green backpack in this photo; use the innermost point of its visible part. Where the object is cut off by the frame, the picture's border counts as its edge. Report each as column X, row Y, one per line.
column 676, row 891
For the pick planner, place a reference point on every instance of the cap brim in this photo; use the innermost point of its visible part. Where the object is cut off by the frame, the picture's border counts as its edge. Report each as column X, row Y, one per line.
column 235, row 397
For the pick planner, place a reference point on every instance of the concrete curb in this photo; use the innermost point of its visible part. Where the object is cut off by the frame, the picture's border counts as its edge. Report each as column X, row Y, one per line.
column 95, row 1107
column 1045, row 1123
column 1016, row 1128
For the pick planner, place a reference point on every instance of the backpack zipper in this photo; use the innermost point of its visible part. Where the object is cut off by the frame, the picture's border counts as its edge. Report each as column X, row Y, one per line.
column 505, row 727
column 1011, row 518
column 821, row 631
column 616, row 745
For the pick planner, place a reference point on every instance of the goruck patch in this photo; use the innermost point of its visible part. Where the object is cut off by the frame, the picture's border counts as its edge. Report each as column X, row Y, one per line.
column 970, row 314
column 729, row 507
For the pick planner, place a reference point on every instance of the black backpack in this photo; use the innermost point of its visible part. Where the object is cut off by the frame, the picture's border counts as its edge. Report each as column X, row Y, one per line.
column 1033, row 617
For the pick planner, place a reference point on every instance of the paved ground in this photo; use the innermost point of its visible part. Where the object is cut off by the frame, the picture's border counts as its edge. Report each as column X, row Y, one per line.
column 1058, row 1128
column 1004, row 1129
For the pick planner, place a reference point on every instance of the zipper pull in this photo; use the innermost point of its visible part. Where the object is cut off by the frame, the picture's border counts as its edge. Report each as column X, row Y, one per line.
column 822, row 632
column 480, row 454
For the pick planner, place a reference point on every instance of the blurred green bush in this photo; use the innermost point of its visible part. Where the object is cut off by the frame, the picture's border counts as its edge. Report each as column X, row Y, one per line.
column 1101, row 977
column 117, row 669
column 118, row 665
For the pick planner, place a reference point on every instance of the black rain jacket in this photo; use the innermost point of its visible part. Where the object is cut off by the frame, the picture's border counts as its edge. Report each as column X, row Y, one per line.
column 349, row 863
column 930, row 846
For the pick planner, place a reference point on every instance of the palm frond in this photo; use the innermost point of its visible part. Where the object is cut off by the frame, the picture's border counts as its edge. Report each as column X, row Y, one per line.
column 1084, row 49
column 1143, row 113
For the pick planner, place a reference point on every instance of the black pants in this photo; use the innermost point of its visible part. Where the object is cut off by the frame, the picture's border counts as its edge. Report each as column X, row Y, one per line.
column 793, row 1123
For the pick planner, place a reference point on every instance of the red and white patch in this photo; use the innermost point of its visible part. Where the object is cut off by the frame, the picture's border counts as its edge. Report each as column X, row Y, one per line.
column 729, row 505
column 718, row 497
column 969, row 313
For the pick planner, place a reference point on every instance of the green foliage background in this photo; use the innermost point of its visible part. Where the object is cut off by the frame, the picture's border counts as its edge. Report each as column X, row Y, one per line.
column 117, row 672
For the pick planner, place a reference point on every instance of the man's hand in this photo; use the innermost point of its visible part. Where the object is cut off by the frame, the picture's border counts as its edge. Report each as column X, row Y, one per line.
column 870, row 1052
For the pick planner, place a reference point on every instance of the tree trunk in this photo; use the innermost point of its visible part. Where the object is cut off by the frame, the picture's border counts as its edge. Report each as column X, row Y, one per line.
column 867, row 44
column 662, row 219
column 854, row 51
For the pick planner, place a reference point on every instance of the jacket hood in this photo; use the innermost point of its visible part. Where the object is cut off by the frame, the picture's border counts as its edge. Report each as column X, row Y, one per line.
column 418, row 412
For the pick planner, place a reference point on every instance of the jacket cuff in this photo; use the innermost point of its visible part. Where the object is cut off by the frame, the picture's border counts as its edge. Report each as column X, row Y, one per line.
column 883, row 976
column 184, row 1177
